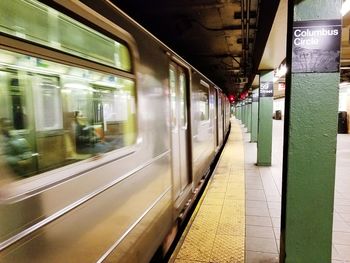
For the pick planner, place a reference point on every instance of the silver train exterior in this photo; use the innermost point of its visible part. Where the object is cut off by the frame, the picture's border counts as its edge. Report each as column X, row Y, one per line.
column 106, row 134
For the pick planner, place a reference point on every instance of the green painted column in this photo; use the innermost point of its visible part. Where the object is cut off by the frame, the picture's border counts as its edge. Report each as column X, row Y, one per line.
column 243, row 113
column 255, row 109
column 249, row 114
column 240, row 112
column 264, row 146
column 309, row 145
column 246, row 113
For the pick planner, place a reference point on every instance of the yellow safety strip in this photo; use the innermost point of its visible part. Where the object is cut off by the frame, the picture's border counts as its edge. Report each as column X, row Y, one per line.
column 216, row 230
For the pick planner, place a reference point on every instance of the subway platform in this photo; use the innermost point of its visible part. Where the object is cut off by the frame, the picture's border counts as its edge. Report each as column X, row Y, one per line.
column 238, row 217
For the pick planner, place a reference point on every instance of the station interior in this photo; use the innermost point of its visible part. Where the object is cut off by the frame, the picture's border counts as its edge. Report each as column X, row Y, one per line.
column 280, row 192
column 232, row 53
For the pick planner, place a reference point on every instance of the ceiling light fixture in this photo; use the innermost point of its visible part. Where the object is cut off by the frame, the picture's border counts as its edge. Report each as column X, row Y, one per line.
column 280, row 72
column 345, row 7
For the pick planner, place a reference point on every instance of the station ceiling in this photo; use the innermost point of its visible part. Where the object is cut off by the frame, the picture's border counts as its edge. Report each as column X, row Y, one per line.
column 227, row 40
column 224, row 39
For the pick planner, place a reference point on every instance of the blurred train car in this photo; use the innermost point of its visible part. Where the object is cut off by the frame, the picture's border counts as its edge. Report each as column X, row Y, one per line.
column 106, row 134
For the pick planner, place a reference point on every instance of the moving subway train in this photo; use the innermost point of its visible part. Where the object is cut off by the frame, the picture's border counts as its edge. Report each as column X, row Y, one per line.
column 106, row 134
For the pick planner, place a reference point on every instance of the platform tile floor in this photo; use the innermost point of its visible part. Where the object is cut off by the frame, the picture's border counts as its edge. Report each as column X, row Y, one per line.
column 263, row 205
column 222, row 240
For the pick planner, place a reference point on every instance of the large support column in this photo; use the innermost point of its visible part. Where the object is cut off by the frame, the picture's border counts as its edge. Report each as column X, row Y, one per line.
column 246, row 107
column 238, row 111
column 310, row 132
column 244, row 113
column 265, row 118
column 255, row 109
column 249, row 114
column 241, row 111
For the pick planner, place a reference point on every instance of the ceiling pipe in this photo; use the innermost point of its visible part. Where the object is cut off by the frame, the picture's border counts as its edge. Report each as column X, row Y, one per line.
column 224, row 28
column 225, row 55
column 247, row 25
column 243, row 43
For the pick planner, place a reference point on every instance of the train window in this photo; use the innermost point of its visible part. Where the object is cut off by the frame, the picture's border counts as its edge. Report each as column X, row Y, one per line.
column 183, row 107
column 18, row 104
column 36, row 22
column 204, row 101
column 177, row 81
column 172, row 80
column 47, row 97
column 52, row 114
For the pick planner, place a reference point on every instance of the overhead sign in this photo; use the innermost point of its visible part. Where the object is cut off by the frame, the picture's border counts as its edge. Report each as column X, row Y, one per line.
column 266, row 89
column 316, row 46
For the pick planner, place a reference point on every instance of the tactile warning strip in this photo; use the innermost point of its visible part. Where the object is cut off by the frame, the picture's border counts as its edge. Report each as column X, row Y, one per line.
column 216, row 231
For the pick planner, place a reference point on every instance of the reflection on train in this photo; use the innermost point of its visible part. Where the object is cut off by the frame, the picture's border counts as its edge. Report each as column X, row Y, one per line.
column 106, row 134
column 62, row 118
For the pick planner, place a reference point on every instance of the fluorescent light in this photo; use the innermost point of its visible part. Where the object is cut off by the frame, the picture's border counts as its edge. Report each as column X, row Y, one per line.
column 345, row 7
column 280, row 72
column 344, row 84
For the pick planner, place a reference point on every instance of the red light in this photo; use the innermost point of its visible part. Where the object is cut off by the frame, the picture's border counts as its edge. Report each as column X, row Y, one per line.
column 231, row 98
column 243, row 95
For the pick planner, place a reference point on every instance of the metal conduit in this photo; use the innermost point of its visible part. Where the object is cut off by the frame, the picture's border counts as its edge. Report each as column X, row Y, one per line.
column 247, row 33
column 243, row 39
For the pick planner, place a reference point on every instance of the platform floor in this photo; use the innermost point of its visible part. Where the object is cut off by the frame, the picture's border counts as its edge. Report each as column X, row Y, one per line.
column 216, row 230
column 222, row 239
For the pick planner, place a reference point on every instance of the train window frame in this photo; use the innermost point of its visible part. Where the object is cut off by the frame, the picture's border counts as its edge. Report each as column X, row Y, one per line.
column 21, row 189
column 205, row 87
column 183, row 85
column 181, row 90
column 57, row 40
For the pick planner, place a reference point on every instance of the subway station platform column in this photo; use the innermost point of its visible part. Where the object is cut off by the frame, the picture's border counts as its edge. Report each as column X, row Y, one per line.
column 244, row 113
column 241, row 107
column 265, row 118
column 310, row 131
column 249, row 114
column 239, row 111
column 255, row 110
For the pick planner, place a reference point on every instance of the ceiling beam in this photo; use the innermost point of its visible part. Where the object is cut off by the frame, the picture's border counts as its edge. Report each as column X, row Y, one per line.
column 266, row 16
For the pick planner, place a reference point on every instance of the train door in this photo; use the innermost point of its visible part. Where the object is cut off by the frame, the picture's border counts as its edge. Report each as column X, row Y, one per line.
column 212, row 105
column 223, row 105
column 179, row 129
column 49, row 131
column 216, row 118
column 220, row 118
